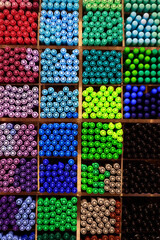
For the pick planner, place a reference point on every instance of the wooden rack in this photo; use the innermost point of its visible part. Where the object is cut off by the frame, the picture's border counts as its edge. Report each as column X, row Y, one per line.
column 80, row 120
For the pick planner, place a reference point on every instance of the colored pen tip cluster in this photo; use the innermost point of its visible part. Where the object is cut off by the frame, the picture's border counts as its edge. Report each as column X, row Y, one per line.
column 25, row 218
column 101, row 140
column 59, row 67
column 19, row 4
column 142, row 6
column 104, row 237
column 18, row 175
column 98, row 179
column 57, row 236
column 61, row 177
column 141, row 65
column 102, row 28
column 142, row 30
column 58, row 28
column 61, row 104
column 8, row 209
column 11, row 235
column 102, row 5
column 100, row 216
column 102, row 67
column 18, row 140
column 18, row 27
column 105, row 103
column 19, row 65
column 141, row 104
column 141, row 141
column 56, row 213
column 18, row 101
column 58, row 140
column 17, row 213
column 69, row 5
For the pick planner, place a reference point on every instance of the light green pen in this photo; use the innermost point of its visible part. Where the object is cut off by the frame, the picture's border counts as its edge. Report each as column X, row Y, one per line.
column 147, row 7
column 139, row 1
column 153, row 7
column 133, row 1
column 154, row 15
column 146, row 1
column 135, row 7
column 127, row 7
column 141, row 7
column 154, row 34
column 158, row 15
column 157, row 21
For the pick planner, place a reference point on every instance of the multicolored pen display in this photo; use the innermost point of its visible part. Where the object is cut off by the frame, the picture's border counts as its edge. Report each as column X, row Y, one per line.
column 79, row 119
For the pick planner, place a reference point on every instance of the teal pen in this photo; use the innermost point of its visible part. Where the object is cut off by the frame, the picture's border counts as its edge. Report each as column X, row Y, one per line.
column 147, row 42
column 147, row 35
column 134, row 7
column 135, row 42
column 127, row 7
column 138, row 18
column 146, row 16
column 140, row 28
column 140, row 41
column 140, row 7
column 158, row 29
column 153, row 28
column 153, row 42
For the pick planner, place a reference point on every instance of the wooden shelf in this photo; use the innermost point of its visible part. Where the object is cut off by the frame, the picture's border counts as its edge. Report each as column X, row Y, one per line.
column 142, row 195
column 76, row 120
column 81, row 194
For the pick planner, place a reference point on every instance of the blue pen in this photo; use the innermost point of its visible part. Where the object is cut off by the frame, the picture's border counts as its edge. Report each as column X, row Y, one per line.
column 140, row 28
column 141, row 35
column 134, row 24
column 140, row 41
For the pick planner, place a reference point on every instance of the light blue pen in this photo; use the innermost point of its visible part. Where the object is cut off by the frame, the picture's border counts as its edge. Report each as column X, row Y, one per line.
column 140, row 28
column 150, row 22
column 140, row 41
column 128, row 27
column 153, row 28
column 129, row 41
column 138, row 18
column 133, row 15
column 147, row 35
column 134, row 25
column 153, row 42
column 145, row 16
column 147, row 29
column 128, row 34
column 147, row 41
column 141, row 35
column 134, row 33
column 143, row 22
column 129, row 20
column 134, row 41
